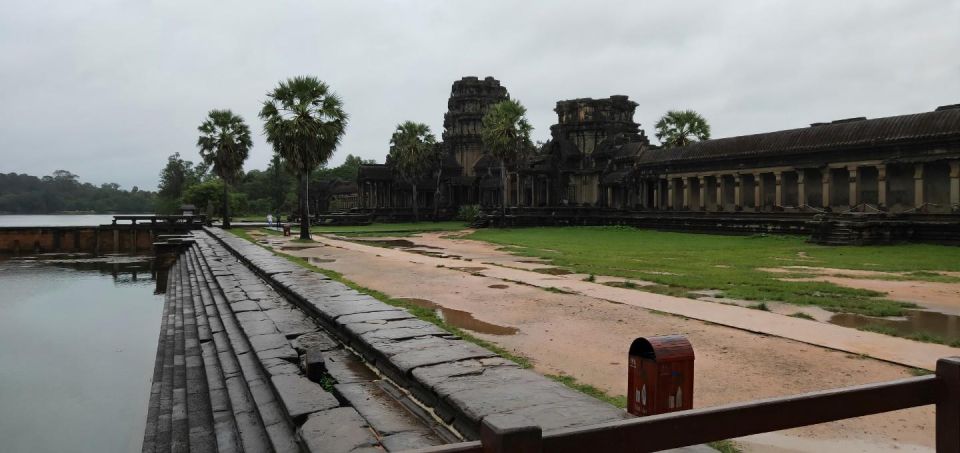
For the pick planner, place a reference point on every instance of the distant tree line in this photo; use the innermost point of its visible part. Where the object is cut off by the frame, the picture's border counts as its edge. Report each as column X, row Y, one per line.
column 255, row 193
column 63, row 192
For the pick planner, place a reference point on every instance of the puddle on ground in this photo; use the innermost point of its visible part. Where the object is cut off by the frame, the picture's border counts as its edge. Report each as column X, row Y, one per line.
column 388, row 243
column 315, row 260
column 552, row 270
column 462, row 319
column 289, row 248
column 498, row 286
column 915, row 322
column 468, row 269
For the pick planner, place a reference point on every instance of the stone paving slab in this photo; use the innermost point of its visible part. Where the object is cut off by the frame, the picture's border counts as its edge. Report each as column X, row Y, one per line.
column 463, row 382
column 346, row 368
column 314, row 341
column 339, row 430
column 300, row 396
column 386, row 415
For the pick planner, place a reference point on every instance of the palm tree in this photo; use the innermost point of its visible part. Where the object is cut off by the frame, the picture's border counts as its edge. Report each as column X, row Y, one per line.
column 304, row 121
column 224, row 144
column 681, row 128
column 412, row 149
column 505, row 133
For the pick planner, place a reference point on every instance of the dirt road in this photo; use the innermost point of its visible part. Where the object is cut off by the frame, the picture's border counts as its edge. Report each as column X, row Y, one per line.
column 587, row 337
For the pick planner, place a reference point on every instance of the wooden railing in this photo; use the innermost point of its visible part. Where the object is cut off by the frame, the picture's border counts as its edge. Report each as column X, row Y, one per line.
column 698, row 426
column 161, row 219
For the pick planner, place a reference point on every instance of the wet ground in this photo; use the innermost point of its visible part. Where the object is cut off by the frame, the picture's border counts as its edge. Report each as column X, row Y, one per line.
column 462, row 319
column 582, row 336
column 586, row 337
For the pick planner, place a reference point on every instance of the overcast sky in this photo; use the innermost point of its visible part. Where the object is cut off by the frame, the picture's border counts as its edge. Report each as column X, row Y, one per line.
column 109, row 89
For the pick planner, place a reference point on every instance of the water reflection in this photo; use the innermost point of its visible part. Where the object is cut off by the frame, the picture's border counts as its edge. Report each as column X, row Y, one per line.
column 915, row 322
column 462, row 319
column 78, row 338
column 123, row 269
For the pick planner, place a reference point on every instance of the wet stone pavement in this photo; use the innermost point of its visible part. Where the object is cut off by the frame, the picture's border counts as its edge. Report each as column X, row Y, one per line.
column 259, row 354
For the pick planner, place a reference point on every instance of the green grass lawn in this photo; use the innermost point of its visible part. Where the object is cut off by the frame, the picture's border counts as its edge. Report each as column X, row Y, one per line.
column 682, row 262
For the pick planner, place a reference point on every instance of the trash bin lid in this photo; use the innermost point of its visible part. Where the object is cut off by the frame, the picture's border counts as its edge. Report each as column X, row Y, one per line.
column 666, row 348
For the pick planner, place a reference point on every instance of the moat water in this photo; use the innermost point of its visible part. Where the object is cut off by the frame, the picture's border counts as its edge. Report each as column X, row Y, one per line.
column 29, row 220
column 78, row 337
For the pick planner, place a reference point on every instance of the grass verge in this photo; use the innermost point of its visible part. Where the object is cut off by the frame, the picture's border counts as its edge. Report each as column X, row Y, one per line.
column 425, row 314
column 679, row 263
column 923, row 337
column 429, row 315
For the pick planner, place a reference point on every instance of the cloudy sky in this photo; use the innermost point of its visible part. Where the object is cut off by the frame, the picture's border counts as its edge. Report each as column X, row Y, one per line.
column 109, row 89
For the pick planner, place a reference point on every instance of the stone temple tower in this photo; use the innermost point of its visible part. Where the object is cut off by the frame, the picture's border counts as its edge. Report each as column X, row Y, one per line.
column 470, row 98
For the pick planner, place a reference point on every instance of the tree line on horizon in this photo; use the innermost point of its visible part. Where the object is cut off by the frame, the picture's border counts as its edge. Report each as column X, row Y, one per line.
column 62, row 192
column 304, row 121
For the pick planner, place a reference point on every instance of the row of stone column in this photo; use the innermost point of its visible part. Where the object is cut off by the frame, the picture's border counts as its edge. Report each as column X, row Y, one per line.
column 934, row 184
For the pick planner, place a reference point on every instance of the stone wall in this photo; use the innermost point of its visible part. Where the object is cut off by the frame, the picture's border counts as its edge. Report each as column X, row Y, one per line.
column 92, row 239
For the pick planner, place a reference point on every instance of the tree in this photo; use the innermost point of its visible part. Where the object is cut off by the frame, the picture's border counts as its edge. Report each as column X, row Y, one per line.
column 505, row 133
column 411, row 155
column 681, row 128
column 437, row 155
column 175, row 178
column 304, row 121
column 224, row 144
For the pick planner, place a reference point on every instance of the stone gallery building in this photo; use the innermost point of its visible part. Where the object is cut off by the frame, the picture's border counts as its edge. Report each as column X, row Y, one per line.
column 600, row 168
column 467, row 177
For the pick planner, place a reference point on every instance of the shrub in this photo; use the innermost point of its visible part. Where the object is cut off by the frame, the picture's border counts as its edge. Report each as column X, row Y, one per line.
column 468, row 213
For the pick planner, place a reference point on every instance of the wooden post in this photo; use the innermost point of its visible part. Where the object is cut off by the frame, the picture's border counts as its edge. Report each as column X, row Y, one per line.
column 503, row 433
column 948, row 406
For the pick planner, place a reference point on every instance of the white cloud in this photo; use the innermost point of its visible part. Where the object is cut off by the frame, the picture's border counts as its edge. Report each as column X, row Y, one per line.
column 109, row 89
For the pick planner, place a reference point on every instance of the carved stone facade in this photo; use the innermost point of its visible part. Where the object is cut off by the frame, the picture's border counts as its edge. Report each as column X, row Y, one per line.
column 600, row 162
column 465, row 175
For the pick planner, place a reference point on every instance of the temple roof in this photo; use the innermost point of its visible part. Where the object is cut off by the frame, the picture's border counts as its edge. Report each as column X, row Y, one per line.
column 851, row 133
column 374, row 171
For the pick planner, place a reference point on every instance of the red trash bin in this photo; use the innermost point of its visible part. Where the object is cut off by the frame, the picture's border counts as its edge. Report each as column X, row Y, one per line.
column 660, row 375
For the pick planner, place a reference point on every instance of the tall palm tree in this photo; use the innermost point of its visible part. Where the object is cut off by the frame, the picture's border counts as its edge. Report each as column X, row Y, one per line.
column 224, row 144
column 681, row 128
column 412, row 149
column 304, row 121
column 505, row 133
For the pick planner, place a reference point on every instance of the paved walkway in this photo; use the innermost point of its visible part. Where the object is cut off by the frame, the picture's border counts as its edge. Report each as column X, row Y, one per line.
column 878, row 346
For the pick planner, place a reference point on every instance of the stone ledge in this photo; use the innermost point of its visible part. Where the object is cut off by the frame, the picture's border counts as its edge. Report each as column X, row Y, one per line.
column 462, row 382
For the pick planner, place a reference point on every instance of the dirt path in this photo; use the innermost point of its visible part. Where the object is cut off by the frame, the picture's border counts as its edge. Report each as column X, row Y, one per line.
column 483, row 259
column 587, row 337
column 937, row 296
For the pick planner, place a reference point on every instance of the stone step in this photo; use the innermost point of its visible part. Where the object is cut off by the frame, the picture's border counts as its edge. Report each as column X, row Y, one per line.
column 388, row 419
column 273, row 430
column 150, row 437
column 461, row 382
column 180, row 427
column 218, row 418
column 251, row 431
column 199, row 413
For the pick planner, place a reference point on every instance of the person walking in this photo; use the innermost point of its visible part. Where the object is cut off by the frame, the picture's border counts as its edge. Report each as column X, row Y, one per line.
column 269, row 220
